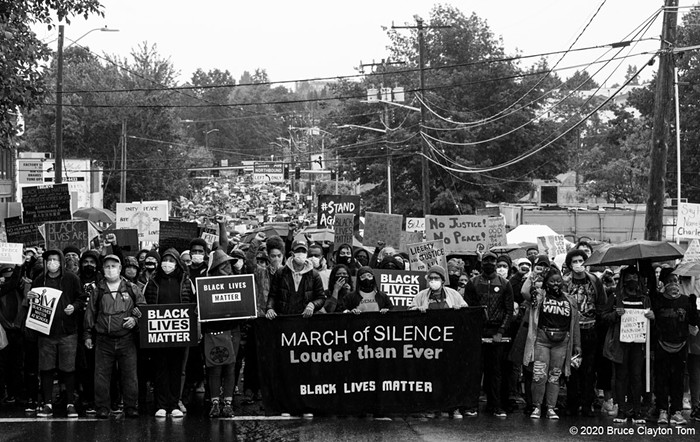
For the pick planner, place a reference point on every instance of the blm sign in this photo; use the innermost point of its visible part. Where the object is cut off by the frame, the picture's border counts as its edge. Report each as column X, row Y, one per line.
column 220, row 298
column 400, row 285
column 168, row 325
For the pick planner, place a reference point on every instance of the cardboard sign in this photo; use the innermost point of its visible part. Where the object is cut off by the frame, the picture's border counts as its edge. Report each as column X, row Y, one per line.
column 43, row 309
column 210, row 236
column 551, row 246
column 144, row 217
column 633, row 325
column 410, row 238
column 693, row 252
column 46, row 203
column 462, row 233
column 497, row 231
column 176, row 235
column 331, row 205
column 383, row 227
column 62, row 234
column 401, row 362
column 425, row 255
column 24, row 233
column 415, row 224
column 220, row 298
column 343, row 229
column 400, row 285
column 688, row 222
column 11, row 253
column 168, row 325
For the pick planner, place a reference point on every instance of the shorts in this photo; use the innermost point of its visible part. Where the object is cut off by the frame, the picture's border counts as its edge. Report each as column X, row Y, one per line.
column 58, row 352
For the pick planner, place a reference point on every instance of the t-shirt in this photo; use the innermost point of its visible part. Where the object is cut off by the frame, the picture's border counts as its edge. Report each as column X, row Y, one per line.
column 583, row 292
column 368, row 302
column 555, row 313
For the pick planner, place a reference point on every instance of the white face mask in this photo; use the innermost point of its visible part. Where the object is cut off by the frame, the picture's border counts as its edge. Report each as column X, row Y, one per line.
column 435, row 285
column 238, row 265
column 53, row 266
column 316, row 261
column 300, row 257
column 502, row 272
column 167, row 267
column 197, row 259
column 111, row 273
column 578, row 268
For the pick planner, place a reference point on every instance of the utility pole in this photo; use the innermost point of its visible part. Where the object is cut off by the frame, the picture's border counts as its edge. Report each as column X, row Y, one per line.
column 425, row 171
column 122, row 189
column 58, row 166
column 660, row 132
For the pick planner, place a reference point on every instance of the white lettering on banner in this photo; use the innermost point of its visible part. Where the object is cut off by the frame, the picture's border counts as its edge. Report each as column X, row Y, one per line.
column 226, row 297
column 168, row 314
column 326, row 338
column 161, row 325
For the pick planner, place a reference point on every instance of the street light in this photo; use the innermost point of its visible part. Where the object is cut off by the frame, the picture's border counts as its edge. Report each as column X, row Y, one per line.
column 58, row 168
column 206, row 136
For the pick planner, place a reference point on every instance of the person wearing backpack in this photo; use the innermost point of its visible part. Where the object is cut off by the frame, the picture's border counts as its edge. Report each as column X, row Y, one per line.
column 111, row 321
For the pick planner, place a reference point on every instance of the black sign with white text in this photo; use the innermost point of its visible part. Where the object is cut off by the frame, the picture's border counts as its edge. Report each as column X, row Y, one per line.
column 168, row 325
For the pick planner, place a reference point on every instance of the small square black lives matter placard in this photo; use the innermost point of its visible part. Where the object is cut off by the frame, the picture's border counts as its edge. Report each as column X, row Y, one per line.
column 226, row 297
column 168, row 325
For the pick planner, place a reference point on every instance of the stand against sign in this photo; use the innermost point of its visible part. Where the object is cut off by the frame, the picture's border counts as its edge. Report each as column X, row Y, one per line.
column 168, row 325
column 399, row 362
column 226, row 297
column 331, row 205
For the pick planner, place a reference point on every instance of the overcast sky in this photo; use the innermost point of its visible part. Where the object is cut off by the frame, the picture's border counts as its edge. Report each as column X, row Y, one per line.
column 302, row 39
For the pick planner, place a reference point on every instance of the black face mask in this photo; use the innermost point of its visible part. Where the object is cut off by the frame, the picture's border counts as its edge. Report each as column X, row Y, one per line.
column 488, row 268
column 454, row 281
column 344, row 260
column 367, row 285
column 363, row 260
column 89, row 269
column 632, row 285
column 149, row 266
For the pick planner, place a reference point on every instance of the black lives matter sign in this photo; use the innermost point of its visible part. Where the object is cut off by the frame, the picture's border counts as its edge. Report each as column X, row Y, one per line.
column 400, row 285
column 220, row 298
column 168, row 325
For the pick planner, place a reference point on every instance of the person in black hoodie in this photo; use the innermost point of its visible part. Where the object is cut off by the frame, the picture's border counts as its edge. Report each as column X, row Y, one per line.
column 58, row 349
column 366, row 297
column 343, row 255
column 12, row 315
column 89, row 272
column 170, row 285
column 673, row 313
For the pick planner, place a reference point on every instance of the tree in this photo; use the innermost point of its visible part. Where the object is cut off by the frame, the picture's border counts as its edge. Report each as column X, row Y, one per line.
column 23, row 77
column 581, row 81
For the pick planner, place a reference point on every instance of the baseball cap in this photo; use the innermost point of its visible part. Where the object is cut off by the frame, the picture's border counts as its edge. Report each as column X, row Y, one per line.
column 300, row 245
column 112, row 257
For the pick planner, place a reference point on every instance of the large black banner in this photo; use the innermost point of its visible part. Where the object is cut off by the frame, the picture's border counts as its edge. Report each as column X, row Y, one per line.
column 399, row 362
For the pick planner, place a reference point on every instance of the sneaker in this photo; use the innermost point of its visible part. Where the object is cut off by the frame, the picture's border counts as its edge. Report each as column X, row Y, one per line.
column 695, row 415
column 678, row 419
column 102, row 414
column 638, row 419
column 215, row 410
column 227, row 411
column 429, row 415
column 176, row 413
column 499, row 412
column 551, row 414
column 200, row 388
column 10, row 400
column 686, row 404
column 619, row 419
column 161, row 413
column 181, row 406
column 30, row 407
column 286, row 415
column 536, row 413
column 607, row 406
column 457, row 415
column 308, row 415
column 71, row 411
column 471, row 412
column 663, row 417
column 90, row 409
column 248, row 400
column 444, row 415
column 46, row 411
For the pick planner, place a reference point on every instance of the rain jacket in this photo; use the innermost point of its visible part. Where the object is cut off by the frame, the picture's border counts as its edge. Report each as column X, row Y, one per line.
column 152, row 289
column 105, row 314
column 286, row 299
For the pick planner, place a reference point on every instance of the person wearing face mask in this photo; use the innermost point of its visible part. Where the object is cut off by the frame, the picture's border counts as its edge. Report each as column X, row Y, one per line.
column 343, row 255
column 340, row 287
column 628, row 357
column 495, row 294
column 503, row 265
column 589, row 293
column 366, row 297
column 362, row 257
column 131, row 269
column 186, row 258
column 510, row 370
column 150, row 264
column 57, row 350
column 672, row 314
column 72, row 256
column 169, row 285
column 199, row 250
column 462, row 283
column 111, row 323
column 552, row 340
column 455, row 267
column 318, row 260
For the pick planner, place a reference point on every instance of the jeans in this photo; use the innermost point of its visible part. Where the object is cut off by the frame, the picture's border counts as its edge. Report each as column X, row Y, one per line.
column 225, row 375
column 694, row 375
column 580, row 388
column 668, row 375
column 123, row 351
column 628, row 379
column 168, row 366
column 492, row 356
column 547, row 369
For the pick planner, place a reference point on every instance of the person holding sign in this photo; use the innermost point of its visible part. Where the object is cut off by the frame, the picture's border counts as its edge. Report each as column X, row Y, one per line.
column 57, row 349
column 170, row 285
column 296, row 288
column 673, row 313
column 553, row 337
column 628, row 357
column 111, row 319
column 367, row 297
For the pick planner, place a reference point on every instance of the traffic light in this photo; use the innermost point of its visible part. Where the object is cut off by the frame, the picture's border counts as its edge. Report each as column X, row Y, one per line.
column 297, row 173
column 332, row 174
column 286, row 171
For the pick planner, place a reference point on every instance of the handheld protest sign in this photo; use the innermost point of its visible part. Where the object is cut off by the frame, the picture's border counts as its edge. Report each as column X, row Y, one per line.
column 400, row 285
column 427, row 254
column 343, row 228
column 220, row 298
column 383, row 227
column 43, row 309
column 462, row 233
column 168, row 325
